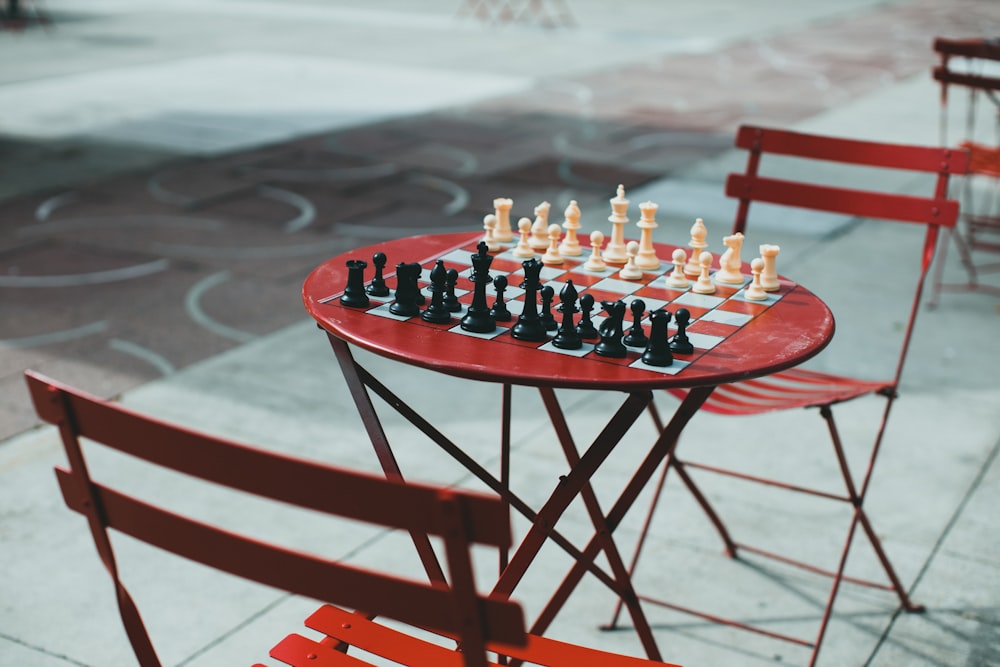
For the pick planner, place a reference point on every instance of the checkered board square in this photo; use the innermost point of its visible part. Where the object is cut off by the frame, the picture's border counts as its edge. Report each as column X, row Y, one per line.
column 714, row 317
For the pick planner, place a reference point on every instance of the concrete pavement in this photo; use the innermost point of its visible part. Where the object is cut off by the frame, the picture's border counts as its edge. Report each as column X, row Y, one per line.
column 138, row 133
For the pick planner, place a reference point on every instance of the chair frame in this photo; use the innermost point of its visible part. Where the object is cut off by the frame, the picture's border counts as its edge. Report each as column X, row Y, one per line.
column 453, row 609
column 979, row 227
column 803, row 388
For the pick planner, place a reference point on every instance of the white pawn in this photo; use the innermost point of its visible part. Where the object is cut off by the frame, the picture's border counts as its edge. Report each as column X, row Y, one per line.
column 769, row 274
column 754, row 291
column 552, row 255
column 570, row 246
column 697, row 243
column 630, row 271
column 677, row 277
column 704, row 284
column 729, row 263
column 490, row 224
column 595, row 262
column 524, row 248
column 540, row 230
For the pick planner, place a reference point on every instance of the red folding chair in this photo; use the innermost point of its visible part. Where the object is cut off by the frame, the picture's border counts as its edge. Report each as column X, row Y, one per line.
column 966, row 63
column 800, row 388
column 476, row 623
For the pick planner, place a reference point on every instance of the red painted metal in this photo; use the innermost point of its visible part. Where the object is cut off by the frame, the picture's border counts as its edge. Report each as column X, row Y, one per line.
column 794, row 329
column 978, row 230
column 798, row 388
column 797, row 327
column 453, row 609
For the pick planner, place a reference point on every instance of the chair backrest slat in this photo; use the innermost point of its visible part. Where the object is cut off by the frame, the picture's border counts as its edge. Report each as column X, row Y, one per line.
column 460, row 518
column 851, row 151
column 267, row 474
column 902, row 208
column 934, row 211
column 299, row 573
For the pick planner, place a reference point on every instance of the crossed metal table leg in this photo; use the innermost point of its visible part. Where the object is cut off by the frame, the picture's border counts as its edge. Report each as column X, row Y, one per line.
column 543, row 521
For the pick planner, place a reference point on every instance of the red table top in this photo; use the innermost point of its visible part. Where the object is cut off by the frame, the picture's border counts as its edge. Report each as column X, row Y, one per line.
column 791, row 330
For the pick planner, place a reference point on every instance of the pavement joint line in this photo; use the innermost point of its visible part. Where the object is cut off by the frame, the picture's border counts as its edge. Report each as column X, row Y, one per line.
column 967, row 496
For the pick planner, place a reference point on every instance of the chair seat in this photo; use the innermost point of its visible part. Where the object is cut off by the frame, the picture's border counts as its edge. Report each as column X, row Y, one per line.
column 371, row 636
column 795, row 388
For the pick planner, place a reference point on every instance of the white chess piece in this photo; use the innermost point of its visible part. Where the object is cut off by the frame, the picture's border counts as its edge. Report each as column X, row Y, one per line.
column 730, row 263
column 490, row 224
column 552, row 255
column 698, row 234
column 540, row 230
column 646, row 258
column 630, row 270
column 677, row 277
column 615, row 252
column 754, row 291
column 524, row 248
column 503, row 232
column 570, row 246
column 595, row 262
column 704, row 284
column 769, row 274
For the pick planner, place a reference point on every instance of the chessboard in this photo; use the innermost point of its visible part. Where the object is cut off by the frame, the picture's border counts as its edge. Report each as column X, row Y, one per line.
column 714, row 318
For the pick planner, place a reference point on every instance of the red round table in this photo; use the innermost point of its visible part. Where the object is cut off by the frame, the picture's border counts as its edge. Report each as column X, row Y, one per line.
column 791, row 327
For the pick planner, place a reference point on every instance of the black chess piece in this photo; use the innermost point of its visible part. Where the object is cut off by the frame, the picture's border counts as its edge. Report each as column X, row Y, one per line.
column 354, row 294
column 377, row 287
column 450, row 300
column 407, row 290
column 567, row 338
column 658, row 349
column 437, row 312
column 548, row 319
column 680, row 344
column 636, row 337
column 478, row 318
column 499, row 310
column 586, row 327
column 529, row 325
column 612, row 330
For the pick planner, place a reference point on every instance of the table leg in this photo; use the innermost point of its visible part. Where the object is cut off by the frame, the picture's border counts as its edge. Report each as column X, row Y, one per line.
column 662, row 448
column 470, row 464
column 381, row 445
column 569, row 488
column 607, row 544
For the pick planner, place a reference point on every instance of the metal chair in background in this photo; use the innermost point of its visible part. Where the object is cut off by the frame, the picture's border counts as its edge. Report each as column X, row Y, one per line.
column 800, row 388
column 973, row 65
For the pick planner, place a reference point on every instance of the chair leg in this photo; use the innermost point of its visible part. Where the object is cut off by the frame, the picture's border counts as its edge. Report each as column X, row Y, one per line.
column 857, row 499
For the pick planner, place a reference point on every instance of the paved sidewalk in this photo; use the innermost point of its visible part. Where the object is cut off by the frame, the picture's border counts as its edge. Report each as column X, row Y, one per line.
column 169, row 173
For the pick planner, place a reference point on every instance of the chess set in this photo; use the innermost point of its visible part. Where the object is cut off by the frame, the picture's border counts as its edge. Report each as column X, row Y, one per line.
column 539, row 287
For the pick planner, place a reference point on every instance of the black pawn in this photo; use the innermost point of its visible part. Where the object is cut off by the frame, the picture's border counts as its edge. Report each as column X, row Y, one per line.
column 407, row 290
column 586, row 327
column 548, row 319
column 680, row 344
column 437, row 312
column 658, row 350
column 377, row 287
column 568, row 338
column 611, row 331
column 354, row 294
column 499, row 309
column 450, row 300
column 636, row 337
